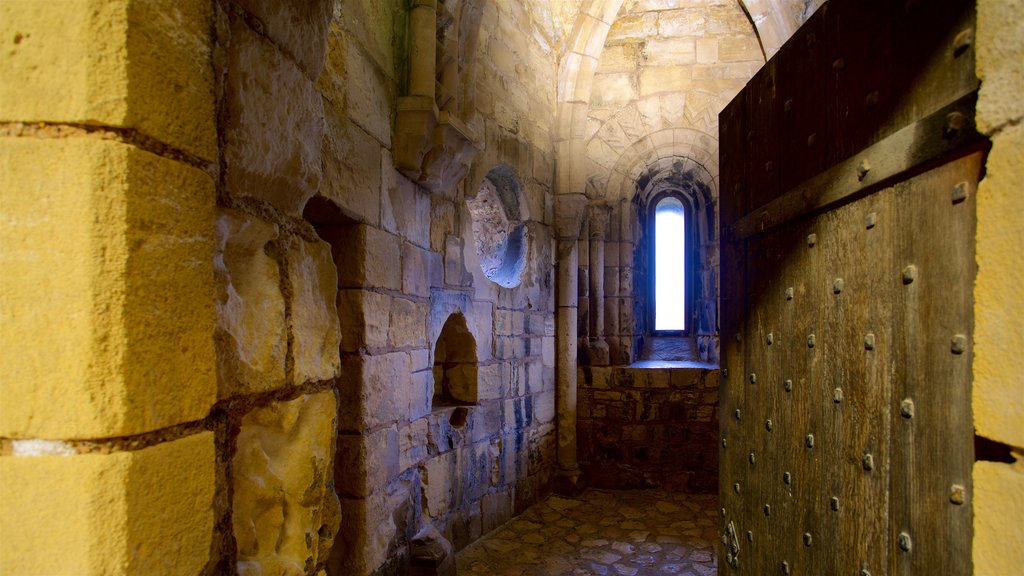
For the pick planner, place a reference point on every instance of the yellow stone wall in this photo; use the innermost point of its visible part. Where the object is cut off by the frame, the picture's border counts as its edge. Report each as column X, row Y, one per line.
column 998, row 399
column 107, row 192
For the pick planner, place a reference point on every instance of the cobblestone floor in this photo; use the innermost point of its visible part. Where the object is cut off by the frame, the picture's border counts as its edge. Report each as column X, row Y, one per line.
column 617, row 533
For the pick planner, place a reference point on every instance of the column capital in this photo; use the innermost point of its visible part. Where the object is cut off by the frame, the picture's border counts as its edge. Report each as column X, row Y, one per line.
column 599, row 215
column 569, row 212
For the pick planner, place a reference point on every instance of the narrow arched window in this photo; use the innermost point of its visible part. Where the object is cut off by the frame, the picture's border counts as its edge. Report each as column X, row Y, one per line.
column 670, row 266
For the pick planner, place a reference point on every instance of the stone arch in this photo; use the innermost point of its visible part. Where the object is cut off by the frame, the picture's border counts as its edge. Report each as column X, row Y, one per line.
column 692, row 182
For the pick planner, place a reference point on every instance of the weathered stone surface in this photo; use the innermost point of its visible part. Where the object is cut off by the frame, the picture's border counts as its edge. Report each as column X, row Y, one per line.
column 642, row 427
column 148, row 511
column 274, row 127
column 76, row 62
column 999, row 294
column 299, row 29
column 421, row 270
column 365, row 319
column 438, row 475
column 366, row 534
column 250, row 337
column 368, row 96
column 284, row 512
column 408, row 327
column 371, row 392
column 314, row 315
column 106, row 290
column 365, row 462
column 603, row 532
column 614, row 89
column 999, row 63
column 370, row 258
column 405, row 210
column 998, row 505
column 738, row 48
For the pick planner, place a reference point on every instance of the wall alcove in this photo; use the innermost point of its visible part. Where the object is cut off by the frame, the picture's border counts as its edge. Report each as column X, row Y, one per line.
column 455, row 369
column 499, row 226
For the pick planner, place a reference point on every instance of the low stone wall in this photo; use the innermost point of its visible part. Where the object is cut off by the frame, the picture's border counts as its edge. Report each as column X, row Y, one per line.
column 649, row 427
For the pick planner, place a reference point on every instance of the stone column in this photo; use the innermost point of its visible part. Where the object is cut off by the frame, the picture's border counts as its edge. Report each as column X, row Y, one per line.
column 599, row 214
column 569, row 209
column 423, row 47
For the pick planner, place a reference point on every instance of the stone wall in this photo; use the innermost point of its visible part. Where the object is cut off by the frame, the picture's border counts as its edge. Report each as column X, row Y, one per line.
column 998, row 394
column 232, row 370
column 649, row 427
column 324, row 235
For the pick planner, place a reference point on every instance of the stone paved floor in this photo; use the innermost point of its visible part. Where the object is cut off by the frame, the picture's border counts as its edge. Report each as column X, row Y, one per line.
column 618, row 533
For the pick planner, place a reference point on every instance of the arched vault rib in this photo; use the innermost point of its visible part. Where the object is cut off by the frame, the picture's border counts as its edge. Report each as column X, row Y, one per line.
column 619, row 181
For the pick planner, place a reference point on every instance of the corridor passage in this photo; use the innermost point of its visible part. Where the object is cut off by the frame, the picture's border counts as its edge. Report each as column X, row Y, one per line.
column 603, row 532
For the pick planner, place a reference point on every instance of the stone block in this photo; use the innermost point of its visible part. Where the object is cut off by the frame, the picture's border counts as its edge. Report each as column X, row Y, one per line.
column 75, row 62
column 274, row 126
column 619, row 58
column 738, row 48
column 998, row 546
column 707, row 50
column 421, row 270
column 369, row 98
column 315, row 331
column 148, row 511
column 412, row 443
column 671, row 52
column 442, row 222
column 119, row 245
column 665, row 79
column 544, row 406
column 284, row 513
column 371, row 390
column 420, row 394
column 495, row 510
column 997, row 399
column 488, row 419
column 614, row 89
column 364, row 318
column 366, row 462
column 999, row 65
column 372, row 24
column 633, row 27
column 405, row 210
column 297, row 28
column 367, row 257
column 366, row 535
column 250, row 338
column 438, row 478
column 490, row 385
column 408, row 324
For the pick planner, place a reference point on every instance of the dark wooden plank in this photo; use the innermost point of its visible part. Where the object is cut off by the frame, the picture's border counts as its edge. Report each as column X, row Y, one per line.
column 933, row 56
column 860, row 93
column 877, row 166
column 732, row 162
column 933, row 450
column 734, row 312
column 762, row 151
column 803, row 72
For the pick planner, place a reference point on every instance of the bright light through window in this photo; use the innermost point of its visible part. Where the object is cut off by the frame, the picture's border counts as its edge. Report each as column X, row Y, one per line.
column 669, row 265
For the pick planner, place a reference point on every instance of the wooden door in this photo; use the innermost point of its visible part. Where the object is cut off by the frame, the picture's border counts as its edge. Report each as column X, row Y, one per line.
column 847, row 439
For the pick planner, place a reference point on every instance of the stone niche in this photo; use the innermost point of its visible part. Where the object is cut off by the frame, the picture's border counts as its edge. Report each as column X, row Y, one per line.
column 434, row 147
column 455, row 368
column 499, row 228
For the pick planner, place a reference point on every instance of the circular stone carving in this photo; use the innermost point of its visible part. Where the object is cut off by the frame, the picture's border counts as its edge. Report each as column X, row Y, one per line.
column 498, row 228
